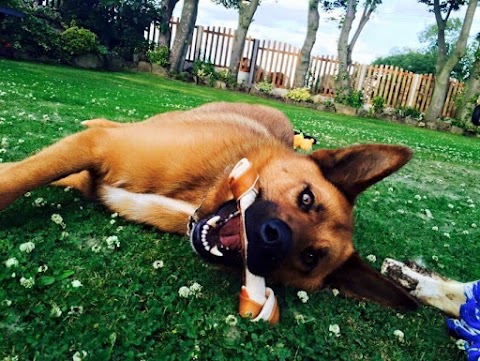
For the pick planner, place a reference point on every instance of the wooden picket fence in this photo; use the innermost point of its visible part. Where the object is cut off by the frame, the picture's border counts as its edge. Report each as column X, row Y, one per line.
column 276, row 61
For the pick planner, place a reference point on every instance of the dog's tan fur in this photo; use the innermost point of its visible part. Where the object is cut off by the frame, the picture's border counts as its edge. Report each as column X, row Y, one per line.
column 160, row 170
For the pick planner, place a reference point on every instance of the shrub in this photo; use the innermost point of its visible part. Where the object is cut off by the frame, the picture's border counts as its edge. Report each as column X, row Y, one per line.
column 159, row 56
column 224, row 76
column 78, row 41
column 204, row 71
column 264, row 86
column 299, row 95
column 329, row 105
column 378, row 104
column 404, row 112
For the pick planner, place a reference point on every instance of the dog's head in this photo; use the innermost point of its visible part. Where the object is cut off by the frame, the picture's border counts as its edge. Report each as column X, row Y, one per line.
column 300, row 228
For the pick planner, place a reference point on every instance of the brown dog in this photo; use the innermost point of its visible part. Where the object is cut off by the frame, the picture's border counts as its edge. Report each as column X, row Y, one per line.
column 172, row 170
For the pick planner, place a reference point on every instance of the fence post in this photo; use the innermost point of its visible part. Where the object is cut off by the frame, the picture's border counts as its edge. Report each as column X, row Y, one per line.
column 198, row 43
column 413, row 90
column 253, row 62
column 361, row 79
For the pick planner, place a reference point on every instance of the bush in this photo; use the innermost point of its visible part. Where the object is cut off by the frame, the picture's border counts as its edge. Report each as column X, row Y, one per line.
column 264, row 86
column 329, row 105
column 404, row 112
column 78, row 41
column 205, row 72
column 299, row 95
column 378, row 104
column 159, row 56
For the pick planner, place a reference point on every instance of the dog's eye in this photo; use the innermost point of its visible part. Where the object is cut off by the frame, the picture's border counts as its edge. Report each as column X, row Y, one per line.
column 306, row 200
column 311, row 256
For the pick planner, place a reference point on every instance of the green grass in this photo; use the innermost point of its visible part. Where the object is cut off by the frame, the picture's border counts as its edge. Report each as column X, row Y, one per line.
column 128, row 310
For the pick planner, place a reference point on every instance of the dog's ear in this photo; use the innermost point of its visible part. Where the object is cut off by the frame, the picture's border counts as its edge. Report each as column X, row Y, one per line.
column 356, row 278
column 356, row 168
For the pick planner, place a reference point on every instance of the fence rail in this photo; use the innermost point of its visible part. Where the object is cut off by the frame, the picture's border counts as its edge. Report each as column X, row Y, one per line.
column 276, row 61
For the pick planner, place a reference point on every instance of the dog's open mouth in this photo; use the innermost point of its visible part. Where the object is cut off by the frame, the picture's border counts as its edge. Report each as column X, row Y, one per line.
column 217, row 238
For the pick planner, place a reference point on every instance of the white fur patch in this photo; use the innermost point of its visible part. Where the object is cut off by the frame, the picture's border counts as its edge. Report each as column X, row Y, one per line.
column 138, row 203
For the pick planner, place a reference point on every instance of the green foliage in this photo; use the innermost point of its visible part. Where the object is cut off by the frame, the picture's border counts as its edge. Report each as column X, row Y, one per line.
column 37, row 34
column 410, row 112
column 120, row 25
column 378, row 105
column 329, row 104
column 264, row 86
column 419, row 62
column 299, row 95
column 159, row 56
column 353, row 98
column 78, row 41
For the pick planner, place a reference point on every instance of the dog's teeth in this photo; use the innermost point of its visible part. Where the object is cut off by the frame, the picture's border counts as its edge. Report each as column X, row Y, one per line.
column 212, row 222
column 206, row 245
column 216, row 252
column 204, row 232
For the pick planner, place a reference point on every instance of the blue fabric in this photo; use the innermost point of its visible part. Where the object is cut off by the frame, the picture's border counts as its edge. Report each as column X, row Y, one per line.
column 468, row 326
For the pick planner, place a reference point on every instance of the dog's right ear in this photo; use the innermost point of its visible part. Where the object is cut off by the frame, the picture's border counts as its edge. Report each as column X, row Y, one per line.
column 356, row 168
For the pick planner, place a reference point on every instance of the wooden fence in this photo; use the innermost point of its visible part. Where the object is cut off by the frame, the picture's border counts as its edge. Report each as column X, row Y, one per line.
column 276, row 61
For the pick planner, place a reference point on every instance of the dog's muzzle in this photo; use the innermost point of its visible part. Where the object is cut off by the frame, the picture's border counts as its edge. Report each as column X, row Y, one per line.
column 217, row 238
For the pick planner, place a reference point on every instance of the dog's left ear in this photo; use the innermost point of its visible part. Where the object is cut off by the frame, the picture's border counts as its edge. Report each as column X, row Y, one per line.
column 356, row 278
column 356, row 168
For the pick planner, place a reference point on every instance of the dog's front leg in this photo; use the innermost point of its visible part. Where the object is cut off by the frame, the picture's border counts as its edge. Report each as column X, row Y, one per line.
column 70, row 155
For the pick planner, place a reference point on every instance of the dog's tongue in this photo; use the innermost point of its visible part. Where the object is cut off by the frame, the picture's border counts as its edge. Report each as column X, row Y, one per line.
column 230, row 233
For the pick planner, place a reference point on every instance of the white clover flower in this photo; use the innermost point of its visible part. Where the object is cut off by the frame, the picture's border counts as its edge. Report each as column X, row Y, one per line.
column 231, row 320
column 76, row 284
column 335, row 292
column 112, row 221
column 39, row 202
column 451, row 206
column 461, row 344
column 42, row 268
column 112, row 242
column 196, row 289
column 114, row 215
column 465, row 232
column 11, row 262
column 372, row 258
column 428, row 213
column 7, row 302
column 303, row 296
column 55, row 311
column 418, row 197
column 435, row 258
column 299, row 318
column 390, row 189
column 334, row 329
column 399, row 335
column 79, row 355
column 56, row 218
column 158, row 264
column 474, row 225
column 184, row 292
column 75, row 310
column 119, row 229
column 446, row 234
column 27, row 282
column 401, row 211
column 27, row 247
column 435, row 228
column 27, row 195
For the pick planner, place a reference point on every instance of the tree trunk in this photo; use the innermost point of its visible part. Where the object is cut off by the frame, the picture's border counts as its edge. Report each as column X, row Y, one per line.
column 299, row 80
column 442, row 75
column 183, row 37
column 165, row 33
column 342, row 83
column 472, row 94
column 246, row 10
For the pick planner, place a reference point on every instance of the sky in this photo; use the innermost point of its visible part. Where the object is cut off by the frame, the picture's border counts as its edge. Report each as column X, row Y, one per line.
column 395, row 25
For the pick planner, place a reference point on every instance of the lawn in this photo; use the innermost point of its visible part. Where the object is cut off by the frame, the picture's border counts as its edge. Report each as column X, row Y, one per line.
column 96, row 287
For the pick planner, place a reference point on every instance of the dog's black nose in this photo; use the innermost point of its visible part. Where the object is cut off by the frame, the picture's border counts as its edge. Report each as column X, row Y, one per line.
column 269, row 238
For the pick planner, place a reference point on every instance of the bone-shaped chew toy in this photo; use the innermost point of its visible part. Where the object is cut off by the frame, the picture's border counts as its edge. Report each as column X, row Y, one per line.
column 257, row 301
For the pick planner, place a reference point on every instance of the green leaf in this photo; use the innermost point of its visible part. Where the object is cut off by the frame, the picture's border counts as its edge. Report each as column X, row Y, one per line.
column 65, row 274
column 46, row 280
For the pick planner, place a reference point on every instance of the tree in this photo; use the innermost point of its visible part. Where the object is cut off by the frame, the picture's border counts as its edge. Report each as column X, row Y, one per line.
column 246, row 11
column 184, row 34
column 165, row 32
column 472, row 92
column 416, row 61
column 446, row 61
column 345, row 48
column 305, row 52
